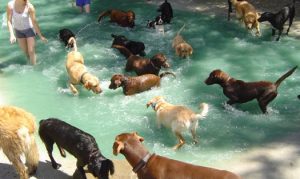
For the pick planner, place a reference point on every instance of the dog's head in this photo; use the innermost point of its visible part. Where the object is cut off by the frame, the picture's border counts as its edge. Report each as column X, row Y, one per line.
column 160, row 60
column 266, row 16
column 217, row 77
column 65, row 35
column 154, row 101
column 130, row 18
column 159, row 20
column 101, row 167
column 250, row 20
column 119, row 39
column 92, row 83
column 122, row 140
column 116, row 81
column 184, row 50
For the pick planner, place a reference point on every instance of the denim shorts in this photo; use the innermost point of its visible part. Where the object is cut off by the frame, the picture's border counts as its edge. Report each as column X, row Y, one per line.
column 82, row 3
column 25, row 33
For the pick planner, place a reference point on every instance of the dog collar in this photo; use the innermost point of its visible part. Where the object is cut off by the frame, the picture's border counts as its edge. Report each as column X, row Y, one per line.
column 142, row 163
column 153, row 105
column 81, row 77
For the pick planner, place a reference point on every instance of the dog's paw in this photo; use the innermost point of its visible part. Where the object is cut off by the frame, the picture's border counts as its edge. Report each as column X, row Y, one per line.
column 56, row 165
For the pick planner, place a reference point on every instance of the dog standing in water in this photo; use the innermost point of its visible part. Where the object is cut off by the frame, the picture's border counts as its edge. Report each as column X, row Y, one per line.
column 78, row 73
column 178, row 118
column 278, row 19
column 239, row 91
column 182, row 48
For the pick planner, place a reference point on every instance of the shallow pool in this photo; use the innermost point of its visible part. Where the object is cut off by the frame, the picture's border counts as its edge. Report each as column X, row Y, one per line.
column 224, row 134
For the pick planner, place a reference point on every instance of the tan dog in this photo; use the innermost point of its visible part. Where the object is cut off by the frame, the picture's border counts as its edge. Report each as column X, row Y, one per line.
column 182, row 48
column 133, row 85
column 178, row 118
column 247, row 13
column 17, row 129
column 78, row 73
column 152, row 166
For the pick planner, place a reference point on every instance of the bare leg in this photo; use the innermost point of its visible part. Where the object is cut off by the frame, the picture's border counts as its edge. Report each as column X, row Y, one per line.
column 23, row 45
column 31, row 50
column 87, row 8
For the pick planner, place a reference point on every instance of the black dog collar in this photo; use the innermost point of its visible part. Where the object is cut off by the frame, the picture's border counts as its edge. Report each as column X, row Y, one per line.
column 142, row 163
column 81, row 77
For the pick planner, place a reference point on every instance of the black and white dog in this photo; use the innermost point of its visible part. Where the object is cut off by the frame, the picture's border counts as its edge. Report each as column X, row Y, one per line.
column 278, row 19
column 135, row 47
column 65, row 35
column 80, row 144
column 157, row 24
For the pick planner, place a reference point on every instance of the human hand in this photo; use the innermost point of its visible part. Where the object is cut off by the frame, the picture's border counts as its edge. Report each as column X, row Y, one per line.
column 12, row 39
column 43, row 39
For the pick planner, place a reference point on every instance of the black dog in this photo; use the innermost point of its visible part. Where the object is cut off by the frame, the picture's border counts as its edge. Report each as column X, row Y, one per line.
column 136, row 48
column 65, row 35
column 166, row 11
column 278, row 19
column 77, row 142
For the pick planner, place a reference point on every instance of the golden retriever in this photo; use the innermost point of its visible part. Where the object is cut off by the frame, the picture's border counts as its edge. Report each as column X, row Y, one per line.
column 178, row 118
column 17, row 129
column 78, row 73
column 182, row 48
column 247, row 13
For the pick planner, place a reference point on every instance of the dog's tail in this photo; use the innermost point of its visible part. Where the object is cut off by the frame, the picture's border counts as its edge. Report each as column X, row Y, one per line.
column 127, row 53
column 103, row 14
column 181, row 29
column 167, row 73
column 72, row 41
column 283, row 77
column 204, row 111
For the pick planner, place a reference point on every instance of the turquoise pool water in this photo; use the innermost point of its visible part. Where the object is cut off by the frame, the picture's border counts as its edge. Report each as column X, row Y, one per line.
column 224, row 134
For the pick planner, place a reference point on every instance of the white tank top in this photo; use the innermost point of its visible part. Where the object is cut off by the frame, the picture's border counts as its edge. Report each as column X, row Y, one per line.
column 21, row 21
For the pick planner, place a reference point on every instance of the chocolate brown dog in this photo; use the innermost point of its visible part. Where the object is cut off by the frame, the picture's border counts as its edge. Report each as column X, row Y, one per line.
column 80, row 144
column 124, row 19
column 239, row 91
column 143, row 65
column 152, row 166
column 132, row 85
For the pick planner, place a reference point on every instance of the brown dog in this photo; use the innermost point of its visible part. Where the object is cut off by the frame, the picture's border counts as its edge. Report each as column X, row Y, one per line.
column 182, row 48
column 17, row 128
column 178, row 118
column 239, row 91
column 143, row 65
column 78, row 73
column 152, row 166
column 247, row 13
column 124, row 19
column 132, row 85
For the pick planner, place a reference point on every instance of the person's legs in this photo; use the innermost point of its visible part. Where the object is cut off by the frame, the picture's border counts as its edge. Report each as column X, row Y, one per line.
column 23, row 45
column 31, row 49
column 87, row 8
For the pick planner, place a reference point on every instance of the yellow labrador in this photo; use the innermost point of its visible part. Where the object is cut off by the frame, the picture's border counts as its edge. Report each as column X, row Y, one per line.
column 178, row 118
column 182, row 48
column 78, row 73
column 247, row 13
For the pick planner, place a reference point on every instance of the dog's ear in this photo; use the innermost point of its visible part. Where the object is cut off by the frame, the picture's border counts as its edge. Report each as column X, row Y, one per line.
column 87, row 85
column 117, row 147
column 141, row 139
